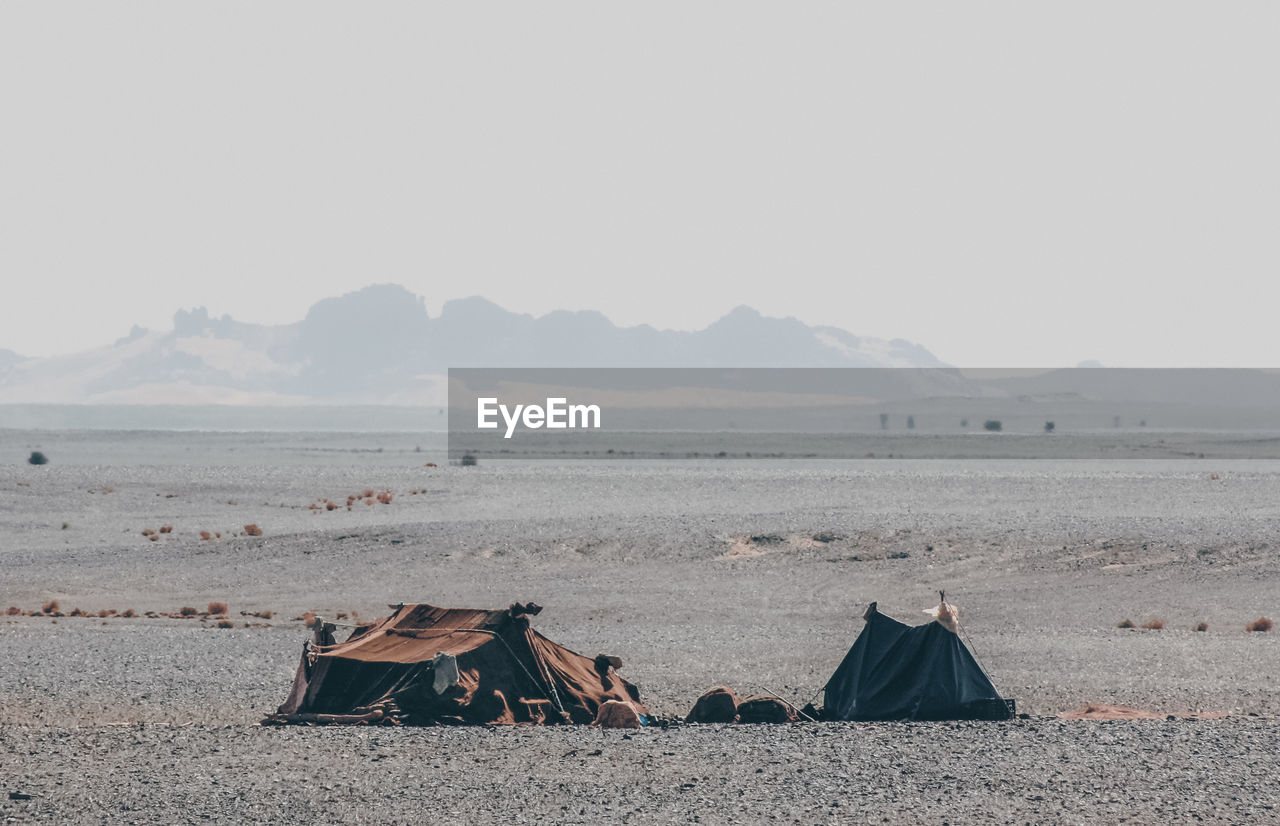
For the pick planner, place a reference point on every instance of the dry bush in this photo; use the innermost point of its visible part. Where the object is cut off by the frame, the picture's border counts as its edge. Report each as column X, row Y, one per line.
column 308, row 617
column 66, row 525
column 330, row 505
column 430, row 464
column 105, row 612
column 206, row 535
column 187, row 611
column 76, row 612
column 1213, row 477
column 166, row 529
column 1201, row 626
column 226, row 624
column 1154, row 625
column 49, row 607
column 147, row 532
column 1125, row 623
column 128, row 612
column 155, row 537
column 368, row 494
column 313, row 507
column 258, row 614
column 385, row 497
column 1260, row 624
column 252, row 530
column 216, row 608
column 217, row 534
column 14, row 611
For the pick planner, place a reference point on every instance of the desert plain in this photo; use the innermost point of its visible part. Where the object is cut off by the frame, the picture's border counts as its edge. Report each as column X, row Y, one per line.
column 745, row 572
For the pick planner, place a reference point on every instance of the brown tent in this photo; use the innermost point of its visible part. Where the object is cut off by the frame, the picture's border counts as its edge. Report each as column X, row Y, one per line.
column 424, row 665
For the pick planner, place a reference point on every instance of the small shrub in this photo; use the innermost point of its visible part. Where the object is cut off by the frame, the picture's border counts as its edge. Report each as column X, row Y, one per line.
column 147, row 532
column 1049, row 426
column 155, row 537
column 37, row 458
column 385, row 497
column 368, row 494
column 187, row 611
column 128, row 612
column 430, row 464
column 468, row 461
column 308, row 617
column 226, row 624
column 1125, row 623
column 1154, row 625
column 166, row 529
column 1260, row 624
column 993, row 425
column 1201, row 626
column 104, row 613
column 50, row 607
column 216, row 608
column 14, row 611
column 252, row 530
column 66, row 525
column 206, row 535
column 76, row 612
column 330, row 506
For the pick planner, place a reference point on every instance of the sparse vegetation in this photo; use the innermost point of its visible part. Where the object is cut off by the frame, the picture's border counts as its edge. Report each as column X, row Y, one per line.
column 216, row 608
column 128, row 612
column 1125, row 623
column 206, row 535
column 166, row 529
column 226, row 624
column 252, row 530
column 50, row 607
column 1049, row 426
column 1154, row 625
column 1261, row 624
column 14, row 611
column 37, row 458
column 187, row 611
column 1201, row 626
column 992, row 425
column 467, row 461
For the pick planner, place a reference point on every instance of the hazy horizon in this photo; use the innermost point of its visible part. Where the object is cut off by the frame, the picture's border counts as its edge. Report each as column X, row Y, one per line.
column 1005, row 184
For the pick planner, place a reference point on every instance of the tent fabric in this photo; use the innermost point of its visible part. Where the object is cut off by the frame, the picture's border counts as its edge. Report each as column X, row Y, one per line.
column 506, row 672
column 896, row 671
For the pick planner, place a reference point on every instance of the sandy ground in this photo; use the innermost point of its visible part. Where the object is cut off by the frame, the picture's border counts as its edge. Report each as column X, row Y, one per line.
column 749, row 573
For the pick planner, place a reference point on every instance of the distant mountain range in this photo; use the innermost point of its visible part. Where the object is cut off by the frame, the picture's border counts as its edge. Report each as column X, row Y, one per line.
column 379, row 346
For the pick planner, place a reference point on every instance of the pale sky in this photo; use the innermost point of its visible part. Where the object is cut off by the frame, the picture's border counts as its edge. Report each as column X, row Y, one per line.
column 1009, row 184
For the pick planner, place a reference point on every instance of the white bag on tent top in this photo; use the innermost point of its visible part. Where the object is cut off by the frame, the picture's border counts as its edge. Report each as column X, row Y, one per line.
column 947, row 615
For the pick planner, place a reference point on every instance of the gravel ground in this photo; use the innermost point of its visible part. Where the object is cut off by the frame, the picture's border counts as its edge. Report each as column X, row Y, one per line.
column 747, row 573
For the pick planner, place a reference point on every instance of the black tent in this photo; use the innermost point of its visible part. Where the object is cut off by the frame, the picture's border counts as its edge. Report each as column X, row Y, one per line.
column 900, row 672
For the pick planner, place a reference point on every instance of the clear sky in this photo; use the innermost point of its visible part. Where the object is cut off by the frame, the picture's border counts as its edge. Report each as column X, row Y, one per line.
column 1006, row 183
